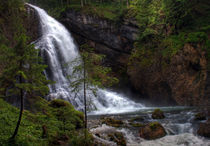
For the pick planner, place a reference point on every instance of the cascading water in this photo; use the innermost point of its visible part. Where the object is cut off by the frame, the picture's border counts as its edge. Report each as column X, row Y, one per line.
column 58, row 49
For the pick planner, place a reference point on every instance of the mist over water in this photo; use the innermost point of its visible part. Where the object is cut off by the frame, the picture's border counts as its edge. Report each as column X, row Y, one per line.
column 58, row 49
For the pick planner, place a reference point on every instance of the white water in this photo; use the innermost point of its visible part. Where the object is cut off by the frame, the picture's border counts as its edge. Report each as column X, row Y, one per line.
column 58, row 49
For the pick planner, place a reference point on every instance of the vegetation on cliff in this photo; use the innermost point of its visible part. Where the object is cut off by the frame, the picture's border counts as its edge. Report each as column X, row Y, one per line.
column 166, row 26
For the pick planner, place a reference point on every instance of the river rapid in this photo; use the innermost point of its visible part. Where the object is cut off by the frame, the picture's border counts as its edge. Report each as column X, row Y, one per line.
column 179, row 123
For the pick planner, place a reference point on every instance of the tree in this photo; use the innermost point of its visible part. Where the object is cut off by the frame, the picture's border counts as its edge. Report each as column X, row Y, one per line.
column 23, row 74
column 82, row 3
column 89, row 74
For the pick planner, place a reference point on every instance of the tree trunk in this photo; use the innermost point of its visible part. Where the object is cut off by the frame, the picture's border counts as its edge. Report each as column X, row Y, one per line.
column 127, row 3
column 85, row 104
column 21, row 112
column 82, row 3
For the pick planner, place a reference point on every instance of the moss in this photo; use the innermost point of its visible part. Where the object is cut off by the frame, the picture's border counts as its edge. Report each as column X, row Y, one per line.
column 154, row 125
column 137, row 124
column 57, row 103
column 58, row 122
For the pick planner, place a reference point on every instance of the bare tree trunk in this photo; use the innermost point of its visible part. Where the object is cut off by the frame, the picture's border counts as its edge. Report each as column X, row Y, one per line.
column 127, row 3
column 21, row 112
column 82, row 4
column 85, row 103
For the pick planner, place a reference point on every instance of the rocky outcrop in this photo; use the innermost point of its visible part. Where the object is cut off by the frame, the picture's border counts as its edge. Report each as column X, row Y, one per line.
column 101, row 31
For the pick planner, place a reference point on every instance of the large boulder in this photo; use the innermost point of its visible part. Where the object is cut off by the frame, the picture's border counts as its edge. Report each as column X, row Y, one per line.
column 152, row 131
column 158, row 114
column 204, row 129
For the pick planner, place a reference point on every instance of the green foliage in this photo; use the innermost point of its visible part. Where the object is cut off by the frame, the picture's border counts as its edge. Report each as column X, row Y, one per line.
column 58, row 121
column 146, row 12
column 23, row 61
column 171, row 45
column 196, row 37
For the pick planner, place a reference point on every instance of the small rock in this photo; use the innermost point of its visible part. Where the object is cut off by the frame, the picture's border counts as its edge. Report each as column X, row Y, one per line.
column 152, row 131
column 112, row 122
column 158, row 114
column 204, row 129
column 200, row 116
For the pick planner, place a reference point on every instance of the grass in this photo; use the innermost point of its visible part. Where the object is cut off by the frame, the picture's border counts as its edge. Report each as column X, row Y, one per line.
column 59, row 118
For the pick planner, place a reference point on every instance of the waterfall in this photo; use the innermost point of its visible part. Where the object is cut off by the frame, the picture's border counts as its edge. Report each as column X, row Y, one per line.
column 58, row 49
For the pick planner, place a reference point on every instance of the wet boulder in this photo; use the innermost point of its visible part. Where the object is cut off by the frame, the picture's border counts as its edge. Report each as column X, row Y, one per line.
column 153, row 130
column 112, row 122
column 158, row 114
column 200, row 116
column 204, row 129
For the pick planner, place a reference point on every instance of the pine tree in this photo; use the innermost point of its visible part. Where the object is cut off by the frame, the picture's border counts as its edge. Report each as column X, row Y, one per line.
column 22, row 75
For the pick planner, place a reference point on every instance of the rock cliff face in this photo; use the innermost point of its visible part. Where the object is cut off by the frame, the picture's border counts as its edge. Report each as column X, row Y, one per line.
column 116, row 42
column 184, row 81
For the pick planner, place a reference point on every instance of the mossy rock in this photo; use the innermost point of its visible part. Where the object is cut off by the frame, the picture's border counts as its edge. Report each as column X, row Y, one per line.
column 136, row 119
column 200, row 116
column 137, row 124
column 152, row 131
column 158, row 114
column 118, row 138
column 57, row 103
column 112, row 122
